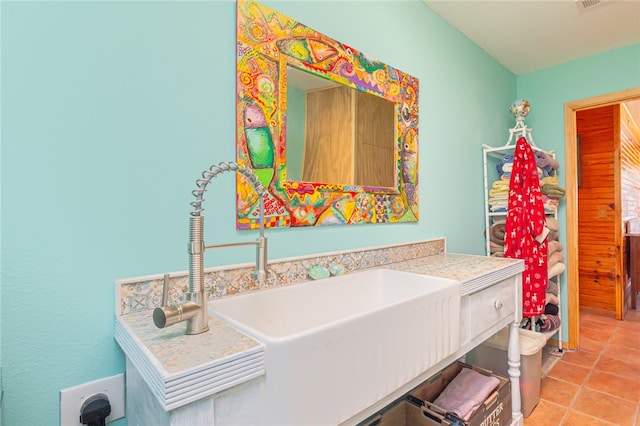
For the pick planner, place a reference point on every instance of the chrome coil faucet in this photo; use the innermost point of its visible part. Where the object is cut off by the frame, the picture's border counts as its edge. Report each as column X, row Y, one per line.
column 194, row 309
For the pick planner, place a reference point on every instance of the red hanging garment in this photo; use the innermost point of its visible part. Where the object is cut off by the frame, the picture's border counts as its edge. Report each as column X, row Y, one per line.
column 526, row 221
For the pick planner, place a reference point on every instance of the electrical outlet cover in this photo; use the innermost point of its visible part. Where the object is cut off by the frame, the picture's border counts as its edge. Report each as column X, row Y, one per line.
column 71, row 399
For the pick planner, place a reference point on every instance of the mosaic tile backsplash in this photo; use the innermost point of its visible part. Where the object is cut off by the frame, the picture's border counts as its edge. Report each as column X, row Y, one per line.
column 137, row 295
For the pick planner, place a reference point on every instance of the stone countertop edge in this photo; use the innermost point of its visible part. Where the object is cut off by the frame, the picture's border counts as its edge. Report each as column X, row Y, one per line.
column 167, row 355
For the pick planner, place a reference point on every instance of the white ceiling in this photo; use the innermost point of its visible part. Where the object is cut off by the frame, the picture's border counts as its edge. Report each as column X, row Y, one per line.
column 526, row 36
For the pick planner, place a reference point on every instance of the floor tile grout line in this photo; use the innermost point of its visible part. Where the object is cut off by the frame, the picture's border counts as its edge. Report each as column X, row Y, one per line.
column 602, row 351
column 584, row 383
column 607, row 346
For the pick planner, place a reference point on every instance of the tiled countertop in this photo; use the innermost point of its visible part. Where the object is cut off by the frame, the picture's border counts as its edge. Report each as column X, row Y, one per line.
column 471, row 271
column 181, row 369
column 172, row 351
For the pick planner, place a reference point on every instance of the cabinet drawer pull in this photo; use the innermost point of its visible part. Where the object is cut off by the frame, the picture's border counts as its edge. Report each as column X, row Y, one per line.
column 497, row 304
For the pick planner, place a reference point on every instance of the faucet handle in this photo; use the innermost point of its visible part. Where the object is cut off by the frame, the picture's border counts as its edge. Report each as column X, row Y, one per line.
column 165, row 290
column 165, row 315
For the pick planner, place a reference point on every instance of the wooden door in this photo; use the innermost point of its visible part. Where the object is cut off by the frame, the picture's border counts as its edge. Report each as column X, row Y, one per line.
column 630, row 188
column 571, row 109
column 600, row 239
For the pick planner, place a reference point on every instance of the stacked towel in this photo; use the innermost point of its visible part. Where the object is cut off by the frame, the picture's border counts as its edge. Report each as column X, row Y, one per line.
column 547, row 163
column 556, row 269
column 499, row 193
column 553, row 247
column 556, row 257
column 552, row 298
column 496, row 250
column 551, row 309
column 550, row 204
column 497, row 231
column 548, row 322
column 552, row 193
column 496, row 235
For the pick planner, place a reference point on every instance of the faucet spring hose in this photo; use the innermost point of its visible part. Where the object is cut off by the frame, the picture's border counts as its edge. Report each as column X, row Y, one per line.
column 215, row 170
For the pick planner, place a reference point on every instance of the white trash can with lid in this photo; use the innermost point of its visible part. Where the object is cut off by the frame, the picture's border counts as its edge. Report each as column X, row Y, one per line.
column 492, row 355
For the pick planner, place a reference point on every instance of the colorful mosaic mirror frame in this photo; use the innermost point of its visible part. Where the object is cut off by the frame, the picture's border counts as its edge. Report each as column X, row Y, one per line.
column 268, row 41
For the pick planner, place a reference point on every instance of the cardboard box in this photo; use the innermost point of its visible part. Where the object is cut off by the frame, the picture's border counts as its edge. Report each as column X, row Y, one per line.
column 496, row 410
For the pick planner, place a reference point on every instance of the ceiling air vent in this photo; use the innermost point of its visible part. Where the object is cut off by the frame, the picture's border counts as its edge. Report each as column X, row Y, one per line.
column 589, row 4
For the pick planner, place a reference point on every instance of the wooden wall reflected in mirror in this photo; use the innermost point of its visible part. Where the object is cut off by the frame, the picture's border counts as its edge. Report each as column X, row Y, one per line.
column 353, row 163
column 348, row 136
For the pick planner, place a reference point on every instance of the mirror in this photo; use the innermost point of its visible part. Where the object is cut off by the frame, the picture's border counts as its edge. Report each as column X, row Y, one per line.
column 336, row 134
column 330, row 132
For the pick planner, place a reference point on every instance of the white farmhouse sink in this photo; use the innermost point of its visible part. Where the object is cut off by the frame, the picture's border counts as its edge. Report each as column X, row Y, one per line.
column 336, row 346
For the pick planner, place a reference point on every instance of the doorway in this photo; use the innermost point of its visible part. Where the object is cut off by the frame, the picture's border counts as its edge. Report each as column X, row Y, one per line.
column 571, row 164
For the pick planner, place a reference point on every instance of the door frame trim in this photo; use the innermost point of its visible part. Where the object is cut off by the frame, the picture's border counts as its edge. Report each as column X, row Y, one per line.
column 571, row 196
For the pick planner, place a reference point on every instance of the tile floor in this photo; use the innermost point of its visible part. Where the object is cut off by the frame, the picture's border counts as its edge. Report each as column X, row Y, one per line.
column 599, row 384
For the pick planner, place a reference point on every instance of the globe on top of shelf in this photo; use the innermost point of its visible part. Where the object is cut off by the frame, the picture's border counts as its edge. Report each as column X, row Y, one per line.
column 520, row 108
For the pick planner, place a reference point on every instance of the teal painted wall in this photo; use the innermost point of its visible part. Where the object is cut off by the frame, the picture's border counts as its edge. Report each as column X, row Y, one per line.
column 549, row 89
column 111, row 111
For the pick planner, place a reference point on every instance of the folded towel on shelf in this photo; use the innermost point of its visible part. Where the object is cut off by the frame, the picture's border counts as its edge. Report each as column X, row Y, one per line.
column 548, row 322
column 552, row 298
column 553, row 247
column 507, row 158
column 552, row 191
column 504, row 170
column 556, row 269
column 547, row 171
column 549, row 180
column 552, row 223
column 497, row 204
column 498, row 196
column 501, row 184
column 545, row 160
column 550, row 203
column 466, row 393
column 555, row 258
column 497, row 231
column 552, row 287
column 547, row 163
column 499, row 193
column 551, row 308
column 497, row 254
column 552, row 236
column 496, row 247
